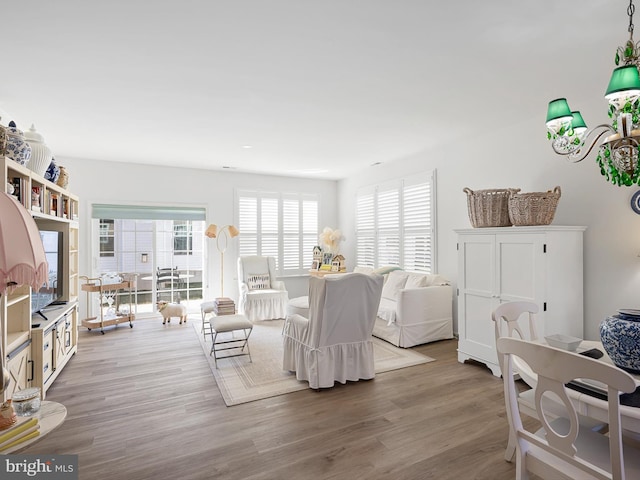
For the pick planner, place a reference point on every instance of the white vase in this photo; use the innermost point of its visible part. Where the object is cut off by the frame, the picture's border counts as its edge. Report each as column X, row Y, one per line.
column 40, row 152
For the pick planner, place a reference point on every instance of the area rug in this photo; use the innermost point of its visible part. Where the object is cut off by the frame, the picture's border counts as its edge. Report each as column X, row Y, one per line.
column 241, row 381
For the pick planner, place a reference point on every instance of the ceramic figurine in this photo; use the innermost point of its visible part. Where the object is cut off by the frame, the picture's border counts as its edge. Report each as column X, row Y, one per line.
column 7, row 415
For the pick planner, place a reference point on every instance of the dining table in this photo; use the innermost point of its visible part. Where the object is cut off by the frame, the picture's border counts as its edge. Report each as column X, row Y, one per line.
column 590, row 400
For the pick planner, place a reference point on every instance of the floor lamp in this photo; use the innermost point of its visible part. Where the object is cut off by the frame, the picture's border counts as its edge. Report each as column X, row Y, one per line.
column 224, row 232
column 22, row 259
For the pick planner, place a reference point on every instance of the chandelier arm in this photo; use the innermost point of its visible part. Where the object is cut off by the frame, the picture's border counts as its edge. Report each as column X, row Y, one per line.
column 578, row 154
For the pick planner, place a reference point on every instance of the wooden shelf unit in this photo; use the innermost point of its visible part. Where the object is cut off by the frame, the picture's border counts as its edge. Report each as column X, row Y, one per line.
column 53, row 208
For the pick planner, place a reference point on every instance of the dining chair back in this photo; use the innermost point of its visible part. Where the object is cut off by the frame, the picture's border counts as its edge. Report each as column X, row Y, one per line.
column 563, row 447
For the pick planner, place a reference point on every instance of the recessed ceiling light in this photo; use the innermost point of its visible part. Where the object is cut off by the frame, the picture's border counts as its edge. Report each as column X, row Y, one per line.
column 247, row 146
column 228, row 167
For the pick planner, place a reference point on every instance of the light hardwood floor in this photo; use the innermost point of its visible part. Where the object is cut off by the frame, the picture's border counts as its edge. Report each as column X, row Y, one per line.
column 142, row 404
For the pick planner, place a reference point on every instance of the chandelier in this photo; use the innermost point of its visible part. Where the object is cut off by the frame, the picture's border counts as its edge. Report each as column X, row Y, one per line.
column 618, row 142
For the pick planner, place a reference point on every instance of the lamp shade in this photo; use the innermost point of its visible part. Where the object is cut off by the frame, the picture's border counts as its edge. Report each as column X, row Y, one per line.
column 623, row 79
column 558, row 108
column 233, row 231
column 577, row 122
column 22, row 257
column 211, row 231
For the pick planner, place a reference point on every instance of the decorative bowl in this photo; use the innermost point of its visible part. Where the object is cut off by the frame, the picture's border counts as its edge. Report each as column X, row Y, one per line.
column 565, row 342
column 621, row 340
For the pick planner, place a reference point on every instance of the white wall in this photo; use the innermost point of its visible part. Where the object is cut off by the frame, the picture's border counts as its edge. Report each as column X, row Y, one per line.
column 511, row 157
column 133, row 184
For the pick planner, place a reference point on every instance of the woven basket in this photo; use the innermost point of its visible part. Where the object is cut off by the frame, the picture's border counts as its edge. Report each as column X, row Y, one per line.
column 536, row 208
column 489, row 208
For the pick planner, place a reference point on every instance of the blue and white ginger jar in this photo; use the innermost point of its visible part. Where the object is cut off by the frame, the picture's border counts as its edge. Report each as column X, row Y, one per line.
column 621, row 340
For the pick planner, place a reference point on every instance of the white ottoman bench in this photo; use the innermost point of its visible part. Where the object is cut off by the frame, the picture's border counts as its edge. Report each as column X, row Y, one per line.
column 299, row 305
column 231, row 324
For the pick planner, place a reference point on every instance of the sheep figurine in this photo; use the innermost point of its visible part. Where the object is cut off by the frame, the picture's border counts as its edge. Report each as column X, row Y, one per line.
column 168, row 310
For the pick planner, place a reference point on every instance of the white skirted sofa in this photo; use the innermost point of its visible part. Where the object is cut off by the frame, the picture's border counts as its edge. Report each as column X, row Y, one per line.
column 334, row 344
column 262, row 297
column 415, row 308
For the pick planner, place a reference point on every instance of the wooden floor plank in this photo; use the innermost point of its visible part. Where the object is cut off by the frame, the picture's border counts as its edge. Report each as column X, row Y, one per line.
column 143, row 404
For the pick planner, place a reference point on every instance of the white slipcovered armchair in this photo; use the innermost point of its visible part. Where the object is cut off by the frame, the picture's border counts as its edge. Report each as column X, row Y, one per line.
column 335, row 342
column 262, row 297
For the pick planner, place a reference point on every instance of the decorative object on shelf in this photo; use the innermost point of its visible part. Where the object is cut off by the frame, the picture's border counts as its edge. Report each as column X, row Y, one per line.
column 53, row 172
column 63, row 179
column 226, row 232
column 635, row 202
column 535, row 208
column 330, row 240
column 620, row 336
column 22, row 257
column 489, row 208
column 10, row 188
column 40, row 152
column 110, row 278
column 3, row 140
column 35, row 199
column 619, row 142
column 27, row 402
column 17, row 148
column 8, row 415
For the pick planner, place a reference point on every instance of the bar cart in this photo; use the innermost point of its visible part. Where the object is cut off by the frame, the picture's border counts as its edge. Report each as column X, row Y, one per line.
column 111, row 310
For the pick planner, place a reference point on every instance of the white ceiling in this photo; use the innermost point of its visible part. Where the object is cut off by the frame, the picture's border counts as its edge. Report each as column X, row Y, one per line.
column 316, row 88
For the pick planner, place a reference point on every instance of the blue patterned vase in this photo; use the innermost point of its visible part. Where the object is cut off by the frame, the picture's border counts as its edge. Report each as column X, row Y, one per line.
column 621, row 340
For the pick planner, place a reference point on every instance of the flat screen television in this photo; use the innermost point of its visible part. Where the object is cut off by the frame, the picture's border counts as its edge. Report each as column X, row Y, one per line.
column 52, row 293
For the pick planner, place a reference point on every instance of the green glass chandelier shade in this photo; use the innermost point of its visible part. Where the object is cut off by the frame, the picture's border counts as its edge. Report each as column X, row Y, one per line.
column 558, row 108
column 623, row 79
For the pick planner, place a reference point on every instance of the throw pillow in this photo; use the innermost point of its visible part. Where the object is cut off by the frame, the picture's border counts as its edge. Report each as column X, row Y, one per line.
column 385, row 270
column 396, row 282
column 365, row 270
column 416, row 280
column 258, row 281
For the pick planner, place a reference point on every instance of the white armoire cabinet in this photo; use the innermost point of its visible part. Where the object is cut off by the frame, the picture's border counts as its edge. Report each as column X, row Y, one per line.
column 540, row 264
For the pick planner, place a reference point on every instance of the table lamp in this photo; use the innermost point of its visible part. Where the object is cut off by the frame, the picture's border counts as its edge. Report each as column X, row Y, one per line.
column 226, row 232
column 22, row 258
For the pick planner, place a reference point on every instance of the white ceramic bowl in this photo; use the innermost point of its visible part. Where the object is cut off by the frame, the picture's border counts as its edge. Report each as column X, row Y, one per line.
column 566, row 342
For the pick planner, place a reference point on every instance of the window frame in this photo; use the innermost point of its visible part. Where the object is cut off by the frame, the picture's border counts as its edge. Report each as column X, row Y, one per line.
column 278, row 224
column 388, row 223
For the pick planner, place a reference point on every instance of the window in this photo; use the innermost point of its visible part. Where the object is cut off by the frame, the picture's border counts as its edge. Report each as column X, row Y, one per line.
column 395, row 224
column 280, row 225
column 182, row 237
column 106, row 238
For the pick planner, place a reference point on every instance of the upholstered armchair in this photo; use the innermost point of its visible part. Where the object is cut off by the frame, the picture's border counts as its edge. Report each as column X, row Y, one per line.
column 335, row 343
column 262, row 297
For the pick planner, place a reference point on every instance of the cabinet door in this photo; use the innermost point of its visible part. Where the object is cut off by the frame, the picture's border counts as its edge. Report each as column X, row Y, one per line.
column 20, row 369
column 47, row 356
column 476, row 297
column 520, row 271
column 62, row 342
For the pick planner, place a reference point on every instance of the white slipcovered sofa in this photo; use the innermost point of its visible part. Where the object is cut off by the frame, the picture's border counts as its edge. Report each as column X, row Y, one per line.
column 415, row 308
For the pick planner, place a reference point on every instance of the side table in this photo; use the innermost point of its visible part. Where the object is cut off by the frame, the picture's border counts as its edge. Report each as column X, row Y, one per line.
column 50, row 416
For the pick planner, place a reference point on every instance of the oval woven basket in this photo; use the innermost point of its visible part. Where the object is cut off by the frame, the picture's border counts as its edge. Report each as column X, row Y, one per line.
column 489, row 208
column 535, row 208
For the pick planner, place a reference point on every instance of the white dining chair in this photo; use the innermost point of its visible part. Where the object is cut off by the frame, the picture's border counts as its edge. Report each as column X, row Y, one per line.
column 507, row 318
column 563, row 447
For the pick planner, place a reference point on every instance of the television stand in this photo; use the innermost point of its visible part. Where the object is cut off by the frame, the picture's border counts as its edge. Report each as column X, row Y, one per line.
column 39, row 312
